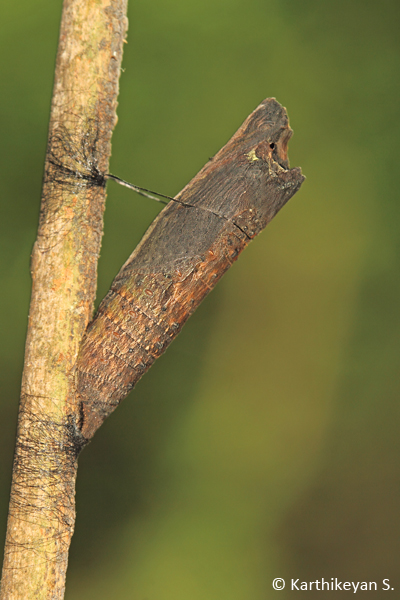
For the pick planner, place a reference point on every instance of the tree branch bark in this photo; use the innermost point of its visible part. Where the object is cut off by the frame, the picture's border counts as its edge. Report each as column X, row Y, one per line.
column 64, row 267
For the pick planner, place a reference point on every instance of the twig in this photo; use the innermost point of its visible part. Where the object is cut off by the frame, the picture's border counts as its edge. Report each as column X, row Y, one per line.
column 64, row 264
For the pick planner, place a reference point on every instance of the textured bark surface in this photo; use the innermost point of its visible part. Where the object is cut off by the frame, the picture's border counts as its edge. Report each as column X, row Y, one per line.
column 186, row 250
column 64, row 263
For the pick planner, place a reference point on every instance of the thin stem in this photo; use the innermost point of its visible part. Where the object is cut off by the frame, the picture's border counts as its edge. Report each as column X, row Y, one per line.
column 64, row 272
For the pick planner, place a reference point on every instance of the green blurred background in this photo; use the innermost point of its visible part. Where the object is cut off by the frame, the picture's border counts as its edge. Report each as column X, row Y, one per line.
column 265, row 442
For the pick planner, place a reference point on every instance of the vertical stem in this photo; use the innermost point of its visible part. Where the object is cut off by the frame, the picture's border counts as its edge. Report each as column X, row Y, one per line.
column 64, row 268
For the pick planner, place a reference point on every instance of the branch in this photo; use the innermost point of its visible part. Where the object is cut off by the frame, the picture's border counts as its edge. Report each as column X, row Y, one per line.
column 64, row 264
column 186, row 250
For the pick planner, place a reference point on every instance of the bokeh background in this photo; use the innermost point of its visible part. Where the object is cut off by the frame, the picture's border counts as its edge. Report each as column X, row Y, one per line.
column 265, row 442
